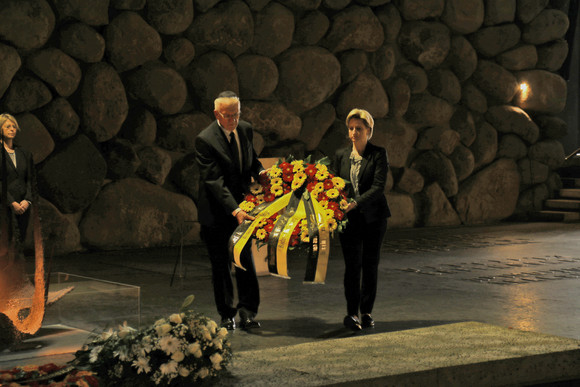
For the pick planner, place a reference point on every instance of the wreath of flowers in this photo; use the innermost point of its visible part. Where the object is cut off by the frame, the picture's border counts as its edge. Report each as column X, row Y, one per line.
column 181, row 349
column 288, row 176
column 50, row 375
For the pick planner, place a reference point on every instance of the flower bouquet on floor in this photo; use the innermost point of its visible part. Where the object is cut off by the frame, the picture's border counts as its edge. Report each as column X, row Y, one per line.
column 179, row 350
column 294, row 203
column 50, row 375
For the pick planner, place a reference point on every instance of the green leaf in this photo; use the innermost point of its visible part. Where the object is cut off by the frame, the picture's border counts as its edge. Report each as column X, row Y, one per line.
column 324, row 161
column 188, row 301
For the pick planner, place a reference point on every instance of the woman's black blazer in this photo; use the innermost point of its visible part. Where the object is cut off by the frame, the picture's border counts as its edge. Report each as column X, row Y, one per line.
column 371, row 200
column 19, row 178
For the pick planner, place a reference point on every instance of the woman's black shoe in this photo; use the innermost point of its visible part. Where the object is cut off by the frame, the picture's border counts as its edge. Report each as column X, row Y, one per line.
column 352, row 323
column 367, row 321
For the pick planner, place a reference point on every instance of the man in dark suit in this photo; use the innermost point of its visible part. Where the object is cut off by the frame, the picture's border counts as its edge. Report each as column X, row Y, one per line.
column 227, row 162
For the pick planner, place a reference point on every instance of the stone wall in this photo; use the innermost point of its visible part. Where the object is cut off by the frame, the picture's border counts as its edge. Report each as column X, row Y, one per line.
column 110, row 95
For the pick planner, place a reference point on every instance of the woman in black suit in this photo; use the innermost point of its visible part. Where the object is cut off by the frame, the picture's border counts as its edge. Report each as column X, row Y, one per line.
column 18, row 177
column 365, row 165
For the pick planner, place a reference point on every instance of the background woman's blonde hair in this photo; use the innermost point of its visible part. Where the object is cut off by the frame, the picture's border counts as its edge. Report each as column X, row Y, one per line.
column 363, row 115
column 7, row 117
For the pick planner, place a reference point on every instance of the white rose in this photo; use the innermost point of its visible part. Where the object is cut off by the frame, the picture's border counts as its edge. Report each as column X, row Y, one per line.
column 223, row 332
column 178, row 356
column 183, row 372
column 175, row 318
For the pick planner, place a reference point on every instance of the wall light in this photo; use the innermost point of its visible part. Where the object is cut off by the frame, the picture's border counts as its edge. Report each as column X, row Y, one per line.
column 524, row 91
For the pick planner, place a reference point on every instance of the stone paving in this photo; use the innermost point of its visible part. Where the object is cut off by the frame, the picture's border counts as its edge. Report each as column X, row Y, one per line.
column 512, row 275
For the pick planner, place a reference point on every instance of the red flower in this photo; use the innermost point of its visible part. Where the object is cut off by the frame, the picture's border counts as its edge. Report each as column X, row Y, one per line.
column 263, row 179
column 296, row 230
column 287, row 177
column 333, row 205
column 49, row 368
column 328, row 184
column 285, row 165
column 269, row 197
column 338, row 214
column 287, row 189
column 269, row 227
column 322, row 196
column 310, row 170
column 250, row 198
column 294, row 239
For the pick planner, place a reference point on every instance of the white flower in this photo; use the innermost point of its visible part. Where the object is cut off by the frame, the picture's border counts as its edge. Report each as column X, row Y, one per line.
column 212, row 326
column 175, row 318
column 216, row 359
column 124, row 330
column 205, row 334
column 217, row 343
column 94, row 355
column 178, row 356
column 122, row 353
column 106, row 335
column 222, row 333
column 169, row 344
column 168, row 368
column 183, row 372
column 203, row 373
column 142, row 365
column 163, row 329
column 194, row 349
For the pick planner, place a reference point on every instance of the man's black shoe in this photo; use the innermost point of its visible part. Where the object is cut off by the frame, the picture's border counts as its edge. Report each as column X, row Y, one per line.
column 229, row 323
column 352, row 323
column 367, row 321
column 247, row 320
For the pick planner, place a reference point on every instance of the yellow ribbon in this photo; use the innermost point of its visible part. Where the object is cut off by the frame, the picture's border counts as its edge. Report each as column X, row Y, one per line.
column 264, row 213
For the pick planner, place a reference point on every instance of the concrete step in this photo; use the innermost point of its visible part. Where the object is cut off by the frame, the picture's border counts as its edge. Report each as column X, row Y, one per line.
column 562, row 204
column 557, row 216
column 570, row 193
column 461, row 354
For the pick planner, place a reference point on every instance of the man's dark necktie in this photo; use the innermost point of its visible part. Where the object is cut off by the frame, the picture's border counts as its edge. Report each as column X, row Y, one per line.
column 234, row 150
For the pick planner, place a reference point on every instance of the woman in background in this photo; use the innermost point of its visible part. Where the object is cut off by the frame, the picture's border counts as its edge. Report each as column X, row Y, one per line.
column 365, row 165
column 18, row 175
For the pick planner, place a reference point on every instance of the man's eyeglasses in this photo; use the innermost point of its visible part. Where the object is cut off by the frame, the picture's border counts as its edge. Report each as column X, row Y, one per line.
column 229, row 116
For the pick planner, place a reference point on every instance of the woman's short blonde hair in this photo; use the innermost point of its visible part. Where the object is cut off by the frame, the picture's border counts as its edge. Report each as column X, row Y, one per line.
column 363, row 115
column 8, row 117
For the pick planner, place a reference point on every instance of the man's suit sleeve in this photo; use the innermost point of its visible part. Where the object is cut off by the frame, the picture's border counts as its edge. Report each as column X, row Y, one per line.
column 212, row 175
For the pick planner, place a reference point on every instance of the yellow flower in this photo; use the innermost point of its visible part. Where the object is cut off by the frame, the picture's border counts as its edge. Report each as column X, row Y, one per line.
column 343, row 204
column 277, row 190
column 321, row 175
column 318, row 188
column 256, row 188
column 259, row 199
column 323, row 204
column 277, row 181
column 300, row 175
column 247, row 206
column 262, row 222
column 332, row 193
column 274, row 172
column 298, row 167
column 297, row 183
column 297, row 162
column 338, row 182
column 304, row 237
column 322, row 167
column 261, row 234
column 329, row 213
column 332, row 224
